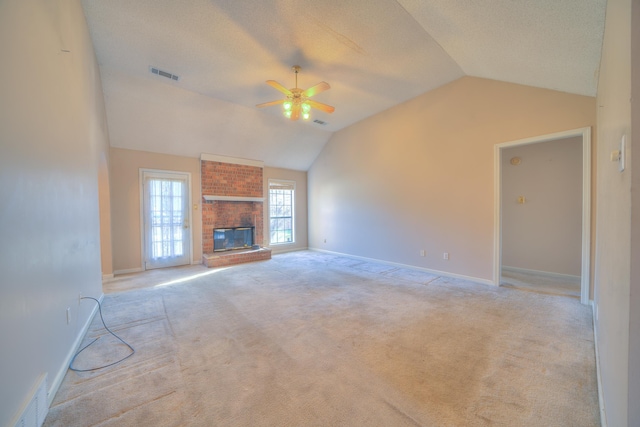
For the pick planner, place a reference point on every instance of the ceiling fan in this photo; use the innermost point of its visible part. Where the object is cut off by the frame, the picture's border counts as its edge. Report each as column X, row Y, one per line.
column 297, row 103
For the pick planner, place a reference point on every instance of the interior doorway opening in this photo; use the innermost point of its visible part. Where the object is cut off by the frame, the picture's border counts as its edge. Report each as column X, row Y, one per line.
column 543, row 218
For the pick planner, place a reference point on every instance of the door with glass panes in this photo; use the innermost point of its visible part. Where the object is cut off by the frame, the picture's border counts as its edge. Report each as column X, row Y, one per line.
column 167, row 229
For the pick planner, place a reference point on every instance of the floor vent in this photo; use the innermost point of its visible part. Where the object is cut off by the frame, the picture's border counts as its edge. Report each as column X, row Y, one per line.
column 166, row 74
column 37, row 409
column 320, row 122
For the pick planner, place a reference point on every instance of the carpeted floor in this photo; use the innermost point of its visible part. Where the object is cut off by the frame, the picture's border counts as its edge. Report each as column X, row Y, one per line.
column 311, row 339
column 546, row 284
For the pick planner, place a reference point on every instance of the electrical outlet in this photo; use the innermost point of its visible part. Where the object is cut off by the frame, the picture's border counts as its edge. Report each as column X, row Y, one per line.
column 79, row 298
column 68, row 315
column 445, row 255
column 423, row 253
column 325, row 240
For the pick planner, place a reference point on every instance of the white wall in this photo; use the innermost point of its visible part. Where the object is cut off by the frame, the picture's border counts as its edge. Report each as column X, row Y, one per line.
column 147, row 114
column 613, row 226
column 545, row 232
column 420, row 175
column 52, row 134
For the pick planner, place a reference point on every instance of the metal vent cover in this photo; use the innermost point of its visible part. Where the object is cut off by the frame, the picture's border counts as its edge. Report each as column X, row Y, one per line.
column 162, row 73
column 37, row 409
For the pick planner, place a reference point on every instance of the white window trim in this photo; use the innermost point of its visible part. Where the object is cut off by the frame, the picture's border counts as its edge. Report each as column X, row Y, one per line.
column 293, row 212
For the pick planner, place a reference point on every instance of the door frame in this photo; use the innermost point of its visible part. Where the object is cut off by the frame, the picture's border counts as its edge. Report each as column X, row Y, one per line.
column 141, row 173
column 585, row 133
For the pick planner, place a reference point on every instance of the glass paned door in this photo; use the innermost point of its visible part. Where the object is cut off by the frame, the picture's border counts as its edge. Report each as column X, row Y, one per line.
column 167, row 232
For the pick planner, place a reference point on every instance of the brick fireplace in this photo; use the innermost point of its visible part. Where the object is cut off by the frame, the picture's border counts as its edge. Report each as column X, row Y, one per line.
column 232, row 193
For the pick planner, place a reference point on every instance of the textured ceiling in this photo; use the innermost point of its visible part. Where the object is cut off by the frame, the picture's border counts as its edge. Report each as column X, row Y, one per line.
column 374, row 53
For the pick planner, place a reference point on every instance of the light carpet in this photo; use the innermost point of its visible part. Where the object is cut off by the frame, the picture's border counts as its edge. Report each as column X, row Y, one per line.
column 530, row 281
column 312, row 339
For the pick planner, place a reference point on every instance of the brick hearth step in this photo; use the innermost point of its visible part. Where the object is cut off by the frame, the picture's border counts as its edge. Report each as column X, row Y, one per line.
column 224, row 259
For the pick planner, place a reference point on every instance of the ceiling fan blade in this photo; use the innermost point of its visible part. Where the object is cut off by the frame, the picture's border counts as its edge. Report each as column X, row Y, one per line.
column 314, row 90
column 274, row 84
column 269, row 104
column 295, row 112
column 320, row 106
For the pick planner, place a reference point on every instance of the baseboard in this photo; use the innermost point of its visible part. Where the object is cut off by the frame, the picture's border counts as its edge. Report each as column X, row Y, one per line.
column 603, row 413
column 275, row 250
column 541, row 273
column 412, row 267
column 107, row 277
column 55, row 385
column 128, row 270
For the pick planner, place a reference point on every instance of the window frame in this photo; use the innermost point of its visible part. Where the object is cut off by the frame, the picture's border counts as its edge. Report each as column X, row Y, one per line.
column 284, row 183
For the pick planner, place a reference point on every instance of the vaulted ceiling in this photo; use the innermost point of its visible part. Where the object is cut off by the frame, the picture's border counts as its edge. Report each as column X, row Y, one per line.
column 374, row 53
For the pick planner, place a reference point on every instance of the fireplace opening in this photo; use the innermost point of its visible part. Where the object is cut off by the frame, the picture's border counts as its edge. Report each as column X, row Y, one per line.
column 228, row 239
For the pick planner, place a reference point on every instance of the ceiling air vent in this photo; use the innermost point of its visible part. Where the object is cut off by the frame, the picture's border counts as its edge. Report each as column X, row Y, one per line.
column 159, row 72
column 320, row 122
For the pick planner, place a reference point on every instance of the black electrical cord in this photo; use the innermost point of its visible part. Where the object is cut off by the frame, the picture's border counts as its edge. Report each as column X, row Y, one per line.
column 111, row 332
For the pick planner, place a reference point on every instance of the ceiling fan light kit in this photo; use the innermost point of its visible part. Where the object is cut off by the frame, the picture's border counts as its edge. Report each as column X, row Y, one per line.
column 297, row 103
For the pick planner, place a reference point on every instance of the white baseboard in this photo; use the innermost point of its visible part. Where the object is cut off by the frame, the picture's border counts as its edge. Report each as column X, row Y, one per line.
column 55, row 385
column 275, row 250
column 128, row 270
column 603, row 414
column 542, row 273
column 412, row 267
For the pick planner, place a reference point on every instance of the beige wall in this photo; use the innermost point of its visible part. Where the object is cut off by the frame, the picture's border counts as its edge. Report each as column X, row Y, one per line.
column 300, row 208
column 52, row 133
column 125, row 202
column 545, row 232
column 104, row 199
column 634, row 301
column 613, row 225
column 420, row 175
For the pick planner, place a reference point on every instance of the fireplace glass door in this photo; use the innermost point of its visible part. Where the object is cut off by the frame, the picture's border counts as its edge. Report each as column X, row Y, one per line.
column 227, row 239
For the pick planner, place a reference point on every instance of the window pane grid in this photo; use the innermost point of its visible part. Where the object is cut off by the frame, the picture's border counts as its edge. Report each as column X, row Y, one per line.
column 166, row 212
column 281, row 215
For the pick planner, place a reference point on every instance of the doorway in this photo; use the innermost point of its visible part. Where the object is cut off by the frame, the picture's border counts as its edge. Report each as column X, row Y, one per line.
column 166, row 218
column 567, row 254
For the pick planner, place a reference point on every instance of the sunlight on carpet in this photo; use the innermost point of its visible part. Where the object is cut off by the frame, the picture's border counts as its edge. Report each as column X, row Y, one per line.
column 310, row 339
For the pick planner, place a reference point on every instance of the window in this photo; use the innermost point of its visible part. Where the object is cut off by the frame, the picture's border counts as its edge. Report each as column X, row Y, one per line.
column 281, row 199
